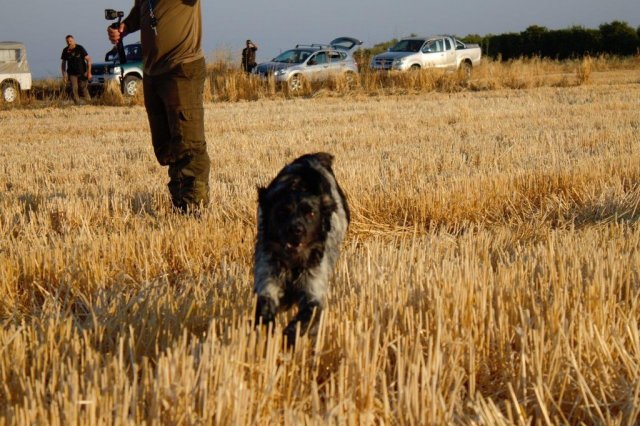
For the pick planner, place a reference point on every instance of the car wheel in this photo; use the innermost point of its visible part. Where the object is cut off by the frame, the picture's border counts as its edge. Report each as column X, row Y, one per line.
column 131, row 85
column 296, row 83
column 10, row 92
column 415, row 67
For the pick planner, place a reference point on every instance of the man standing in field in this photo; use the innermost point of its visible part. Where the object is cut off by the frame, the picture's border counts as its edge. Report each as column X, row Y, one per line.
column 76, row 68
column 249, row 56
column 173, row 84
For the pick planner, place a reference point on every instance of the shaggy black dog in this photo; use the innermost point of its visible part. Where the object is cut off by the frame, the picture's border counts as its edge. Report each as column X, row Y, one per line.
column 302, row 219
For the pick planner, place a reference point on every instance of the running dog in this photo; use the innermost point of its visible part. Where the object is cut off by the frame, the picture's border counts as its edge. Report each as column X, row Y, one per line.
column 303, row 217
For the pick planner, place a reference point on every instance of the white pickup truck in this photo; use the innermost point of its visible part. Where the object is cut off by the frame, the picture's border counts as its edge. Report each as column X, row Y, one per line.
column 440, row 51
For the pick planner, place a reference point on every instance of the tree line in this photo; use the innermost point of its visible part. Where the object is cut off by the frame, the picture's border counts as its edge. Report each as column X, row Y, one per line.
column 614, row 38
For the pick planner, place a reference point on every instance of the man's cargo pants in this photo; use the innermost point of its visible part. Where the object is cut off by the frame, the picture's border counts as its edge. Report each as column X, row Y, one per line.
column 174, row 103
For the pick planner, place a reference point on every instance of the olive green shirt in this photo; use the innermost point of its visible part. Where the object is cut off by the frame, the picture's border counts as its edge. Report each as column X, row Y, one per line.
column 179, row 27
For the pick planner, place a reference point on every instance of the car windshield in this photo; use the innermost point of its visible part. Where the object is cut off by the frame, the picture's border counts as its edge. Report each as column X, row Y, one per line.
column 294, row 56
column 407, row 46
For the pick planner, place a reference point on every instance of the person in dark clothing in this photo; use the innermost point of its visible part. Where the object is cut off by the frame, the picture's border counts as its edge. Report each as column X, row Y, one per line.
column 76, row 68
column 249, row 56
column 173, row 84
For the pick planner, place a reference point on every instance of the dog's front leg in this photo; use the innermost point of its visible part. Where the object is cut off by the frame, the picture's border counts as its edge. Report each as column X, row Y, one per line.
column 308, row 317
column 270, row 293
column 268, row 285
column 266, row 309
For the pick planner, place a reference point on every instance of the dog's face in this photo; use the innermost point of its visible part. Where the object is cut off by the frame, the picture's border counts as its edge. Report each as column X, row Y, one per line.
column 296, row 218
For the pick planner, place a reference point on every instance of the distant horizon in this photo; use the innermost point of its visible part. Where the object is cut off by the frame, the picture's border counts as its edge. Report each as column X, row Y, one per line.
column 280, row 26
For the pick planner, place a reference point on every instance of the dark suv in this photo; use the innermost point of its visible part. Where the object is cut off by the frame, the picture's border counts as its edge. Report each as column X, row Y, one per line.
column 111, row 70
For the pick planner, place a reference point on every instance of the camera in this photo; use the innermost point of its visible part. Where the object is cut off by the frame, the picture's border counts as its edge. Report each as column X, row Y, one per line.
column 112, row 15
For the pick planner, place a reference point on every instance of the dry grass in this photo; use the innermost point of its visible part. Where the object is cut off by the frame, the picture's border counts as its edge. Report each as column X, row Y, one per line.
column 583, row 71
column 491, row 273
column 230, row 84
column 227, row 83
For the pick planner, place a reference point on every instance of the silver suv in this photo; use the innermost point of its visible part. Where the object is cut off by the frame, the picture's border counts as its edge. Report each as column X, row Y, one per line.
column 313, row 62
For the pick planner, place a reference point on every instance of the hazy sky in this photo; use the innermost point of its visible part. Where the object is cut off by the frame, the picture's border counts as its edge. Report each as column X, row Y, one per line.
column 277, row 25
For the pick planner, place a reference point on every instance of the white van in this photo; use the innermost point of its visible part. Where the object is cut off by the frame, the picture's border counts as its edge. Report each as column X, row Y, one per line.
column 14, row 70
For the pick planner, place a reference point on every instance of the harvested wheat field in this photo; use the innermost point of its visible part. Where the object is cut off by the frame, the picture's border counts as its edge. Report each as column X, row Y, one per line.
column 491, row 273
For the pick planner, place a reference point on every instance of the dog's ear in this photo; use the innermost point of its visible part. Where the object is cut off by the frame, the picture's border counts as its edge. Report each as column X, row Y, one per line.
column 325, row 159
column 327, row 204
column 327, row 207
column 262, row 196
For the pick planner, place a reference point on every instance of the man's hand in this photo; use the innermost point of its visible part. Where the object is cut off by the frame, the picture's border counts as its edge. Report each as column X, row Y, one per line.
column 116, row 33
column 63, row 71
column 89, row 64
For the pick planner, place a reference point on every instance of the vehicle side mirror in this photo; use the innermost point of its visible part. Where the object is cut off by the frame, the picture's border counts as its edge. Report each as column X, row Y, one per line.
column 311, row 62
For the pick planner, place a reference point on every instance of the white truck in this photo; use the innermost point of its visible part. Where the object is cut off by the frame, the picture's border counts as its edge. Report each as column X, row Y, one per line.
column 14, row 71
column 441, row 51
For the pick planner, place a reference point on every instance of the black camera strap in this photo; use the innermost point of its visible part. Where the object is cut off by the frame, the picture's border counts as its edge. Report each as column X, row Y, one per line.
column 154, row 20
